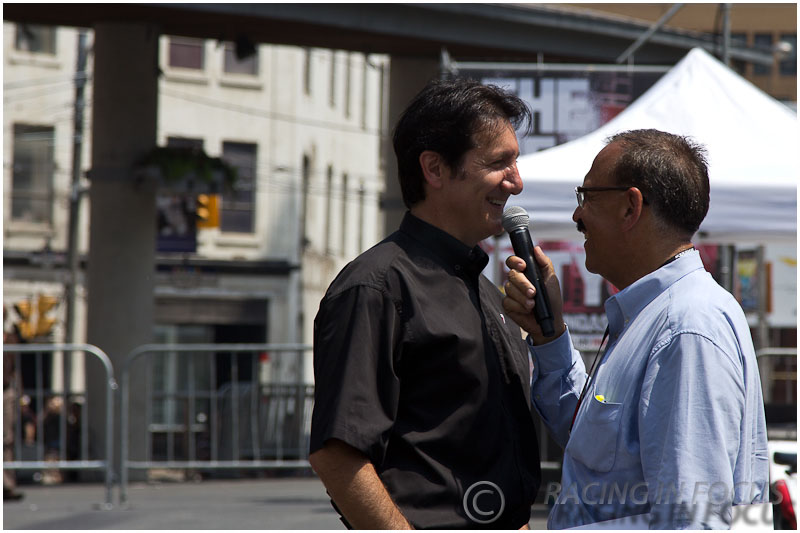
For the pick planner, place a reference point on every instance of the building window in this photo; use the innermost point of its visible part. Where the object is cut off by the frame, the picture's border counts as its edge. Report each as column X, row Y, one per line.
column 362, row 192
column 304, row 240
column 176, row 212
column 364, row 88
column 307, row 71
column 328, row 210
column 32, row 177
column 762, row 40
column 739, row 40
column 381, row 100
column 788, row 64
column 348, row 75
column 238, row 207
column 233, row 64
column 174, row 372
column 345, row 194
column 35, row 38
column 185, row 142
column 333, row 79
column 185, row 52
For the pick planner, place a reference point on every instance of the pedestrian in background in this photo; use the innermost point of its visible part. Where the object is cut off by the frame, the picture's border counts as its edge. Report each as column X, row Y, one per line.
column 10, row 410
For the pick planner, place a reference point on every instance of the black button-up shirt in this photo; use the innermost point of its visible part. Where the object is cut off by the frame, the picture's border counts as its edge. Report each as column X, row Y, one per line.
column 417, row 366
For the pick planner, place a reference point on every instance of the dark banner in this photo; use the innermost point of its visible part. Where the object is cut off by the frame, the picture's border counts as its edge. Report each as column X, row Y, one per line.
column 177, row 227
column 568, row 105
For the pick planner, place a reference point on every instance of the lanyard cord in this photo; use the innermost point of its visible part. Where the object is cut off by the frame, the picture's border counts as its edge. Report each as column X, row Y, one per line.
column 589, row 378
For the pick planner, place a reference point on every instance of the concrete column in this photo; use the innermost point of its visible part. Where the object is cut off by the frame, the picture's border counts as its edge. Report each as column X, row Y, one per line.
column 120, row 274
column 406, row 78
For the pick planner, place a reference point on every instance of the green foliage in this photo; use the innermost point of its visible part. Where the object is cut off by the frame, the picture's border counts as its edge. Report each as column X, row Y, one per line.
column 177, row 165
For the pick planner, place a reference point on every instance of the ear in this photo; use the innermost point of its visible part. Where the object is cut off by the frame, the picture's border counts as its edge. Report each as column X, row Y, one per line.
column 434, row 168
column 634, row 203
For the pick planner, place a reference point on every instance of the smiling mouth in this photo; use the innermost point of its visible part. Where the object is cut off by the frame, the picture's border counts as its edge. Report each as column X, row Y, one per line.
column 496, row 202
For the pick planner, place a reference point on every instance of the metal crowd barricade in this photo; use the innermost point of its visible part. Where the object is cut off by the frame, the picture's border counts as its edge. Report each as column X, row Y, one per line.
column 778, row 369
column 240, row 425
column 41, row 396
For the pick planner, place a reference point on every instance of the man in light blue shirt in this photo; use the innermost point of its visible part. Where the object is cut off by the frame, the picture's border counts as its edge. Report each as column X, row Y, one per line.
column 669, row 430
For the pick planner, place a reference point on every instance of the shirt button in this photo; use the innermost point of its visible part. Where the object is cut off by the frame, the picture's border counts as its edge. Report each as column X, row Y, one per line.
column 458, row 268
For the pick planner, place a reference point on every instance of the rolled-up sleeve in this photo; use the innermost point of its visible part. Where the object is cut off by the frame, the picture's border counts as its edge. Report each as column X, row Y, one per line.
column 356, row 387
column 558, row 377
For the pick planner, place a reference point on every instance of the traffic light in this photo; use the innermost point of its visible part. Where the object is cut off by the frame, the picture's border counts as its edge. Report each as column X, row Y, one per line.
column 33, row 321
column 24, row 326
column 207, row 210
column 46, row 303
column 45, row 323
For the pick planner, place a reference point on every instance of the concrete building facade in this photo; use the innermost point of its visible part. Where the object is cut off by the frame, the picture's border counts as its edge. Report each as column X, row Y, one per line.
column 307, row 129
column 765, row 25
column 302, row 126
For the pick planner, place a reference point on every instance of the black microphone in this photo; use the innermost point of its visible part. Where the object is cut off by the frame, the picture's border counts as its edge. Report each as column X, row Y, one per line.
column 515, row 222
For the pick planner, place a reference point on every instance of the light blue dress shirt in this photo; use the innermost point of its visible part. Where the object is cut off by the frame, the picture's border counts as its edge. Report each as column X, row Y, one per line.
column 673, row 422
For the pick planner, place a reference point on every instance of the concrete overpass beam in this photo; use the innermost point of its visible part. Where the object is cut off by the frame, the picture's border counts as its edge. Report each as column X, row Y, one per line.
column 407, row 76
column 120, row 275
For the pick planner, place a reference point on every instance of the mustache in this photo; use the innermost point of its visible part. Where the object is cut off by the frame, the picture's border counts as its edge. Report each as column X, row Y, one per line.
column 580, row 226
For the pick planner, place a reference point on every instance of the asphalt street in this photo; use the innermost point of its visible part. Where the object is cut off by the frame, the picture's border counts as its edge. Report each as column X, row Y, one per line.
column 283, row 503
column 296, row 503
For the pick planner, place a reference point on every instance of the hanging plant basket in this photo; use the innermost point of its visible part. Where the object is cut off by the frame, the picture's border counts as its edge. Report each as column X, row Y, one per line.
column 187, row 170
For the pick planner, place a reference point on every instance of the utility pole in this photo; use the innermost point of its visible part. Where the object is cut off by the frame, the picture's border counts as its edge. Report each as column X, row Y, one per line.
column 76, row 193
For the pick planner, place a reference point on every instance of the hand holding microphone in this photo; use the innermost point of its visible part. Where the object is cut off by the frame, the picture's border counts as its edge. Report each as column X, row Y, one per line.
column 515, row 222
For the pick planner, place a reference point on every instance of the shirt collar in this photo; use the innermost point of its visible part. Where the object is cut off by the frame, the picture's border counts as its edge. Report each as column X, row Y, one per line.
column 626, row 305
column 454, row 253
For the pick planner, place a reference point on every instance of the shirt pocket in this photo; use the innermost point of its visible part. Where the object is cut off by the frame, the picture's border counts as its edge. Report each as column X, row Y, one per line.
column 593, row 441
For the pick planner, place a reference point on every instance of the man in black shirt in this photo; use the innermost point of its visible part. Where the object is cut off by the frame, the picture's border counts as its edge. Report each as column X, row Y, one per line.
column 421, row 415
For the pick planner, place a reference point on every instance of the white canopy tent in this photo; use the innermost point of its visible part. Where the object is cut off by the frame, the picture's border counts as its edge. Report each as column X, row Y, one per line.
column 752, row 143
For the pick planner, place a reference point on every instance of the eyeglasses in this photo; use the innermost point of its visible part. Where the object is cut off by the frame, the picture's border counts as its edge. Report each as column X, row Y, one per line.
column 580, row 192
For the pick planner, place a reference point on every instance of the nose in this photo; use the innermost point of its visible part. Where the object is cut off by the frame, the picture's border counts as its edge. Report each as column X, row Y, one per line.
column 576, row 214
column 512, row 180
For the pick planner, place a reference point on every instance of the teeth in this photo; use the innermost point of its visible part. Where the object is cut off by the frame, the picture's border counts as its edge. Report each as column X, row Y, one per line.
column 496, row 202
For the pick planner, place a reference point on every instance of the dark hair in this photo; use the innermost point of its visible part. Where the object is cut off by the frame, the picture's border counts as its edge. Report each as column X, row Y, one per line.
column 670, row 170
column 444, row 117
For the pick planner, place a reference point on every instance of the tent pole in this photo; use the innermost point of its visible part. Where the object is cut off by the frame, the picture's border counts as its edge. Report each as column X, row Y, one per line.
column 649, row 33
column 726, row 253
column 445, row 64
column 763, row 288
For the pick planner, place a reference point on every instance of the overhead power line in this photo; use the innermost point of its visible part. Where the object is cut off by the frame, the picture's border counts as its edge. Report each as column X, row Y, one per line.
column 253, row 111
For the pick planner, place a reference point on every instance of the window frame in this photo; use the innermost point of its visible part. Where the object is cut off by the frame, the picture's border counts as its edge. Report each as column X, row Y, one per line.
column 40, row 176
column 51, row 43
column 758, row 69
column 242, row 199
column 229, row 59
column 177, row 41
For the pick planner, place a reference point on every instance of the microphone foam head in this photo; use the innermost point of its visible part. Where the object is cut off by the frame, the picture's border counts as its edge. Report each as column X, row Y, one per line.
column 514, row 218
